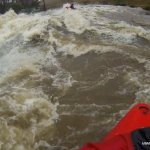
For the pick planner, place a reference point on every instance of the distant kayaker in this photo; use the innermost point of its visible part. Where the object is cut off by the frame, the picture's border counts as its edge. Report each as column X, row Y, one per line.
column 68, row 6
column 72, row 6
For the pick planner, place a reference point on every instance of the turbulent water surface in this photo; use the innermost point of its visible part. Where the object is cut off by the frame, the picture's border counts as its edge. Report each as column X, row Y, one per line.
column 67, row 76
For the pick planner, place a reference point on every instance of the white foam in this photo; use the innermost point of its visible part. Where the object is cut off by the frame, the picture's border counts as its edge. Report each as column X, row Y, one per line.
column 130, row 29
column 77, row 50
column 75, row 22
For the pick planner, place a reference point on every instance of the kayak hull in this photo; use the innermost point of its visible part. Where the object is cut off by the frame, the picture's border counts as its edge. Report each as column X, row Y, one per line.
column 121, row 136
column 138, row 117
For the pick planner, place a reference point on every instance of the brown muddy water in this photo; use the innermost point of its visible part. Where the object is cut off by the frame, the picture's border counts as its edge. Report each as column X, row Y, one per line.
column 67, row 77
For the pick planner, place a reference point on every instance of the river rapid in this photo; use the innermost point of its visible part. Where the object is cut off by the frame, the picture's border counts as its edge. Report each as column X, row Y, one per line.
column 68, row 76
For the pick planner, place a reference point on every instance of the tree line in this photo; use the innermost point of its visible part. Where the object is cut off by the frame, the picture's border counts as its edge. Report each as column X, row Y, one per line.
column 21, row 5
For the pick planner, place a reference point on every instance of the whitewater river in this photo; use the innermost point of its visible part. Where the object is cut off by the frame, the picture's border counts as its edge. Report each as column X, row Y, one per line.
column 67, row 77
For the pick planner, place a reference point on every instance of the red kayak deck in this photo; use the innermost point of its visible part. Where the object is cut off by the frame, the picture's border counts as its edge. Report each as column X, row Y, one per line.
column 138, row 117
column 119, row 137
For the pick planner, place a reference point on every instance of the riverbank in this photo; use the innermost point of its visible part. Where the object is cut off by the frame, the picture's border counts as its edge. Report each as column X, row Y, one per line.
column 145, row 4
column 19, row 7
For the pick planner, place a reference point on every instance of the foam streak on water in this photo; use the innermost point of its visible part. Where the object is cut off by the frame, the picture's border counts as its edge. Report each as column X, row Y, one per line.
column 68, row 75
